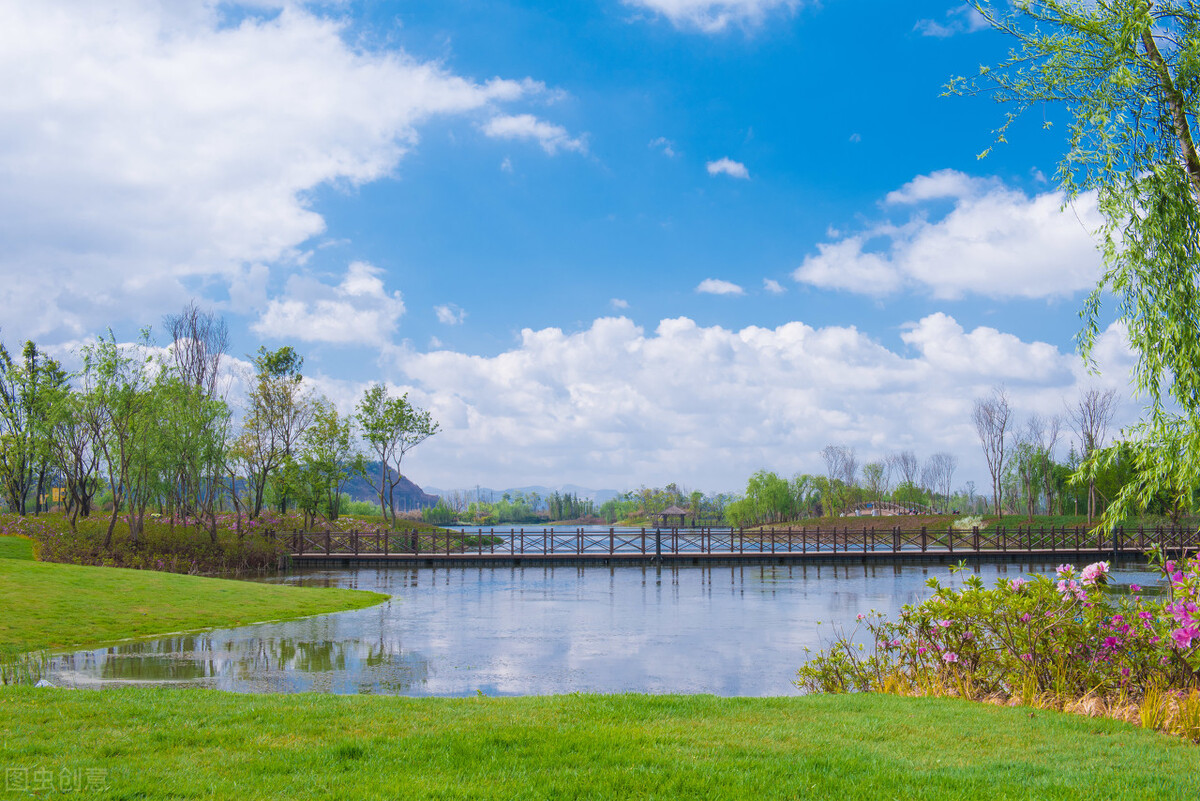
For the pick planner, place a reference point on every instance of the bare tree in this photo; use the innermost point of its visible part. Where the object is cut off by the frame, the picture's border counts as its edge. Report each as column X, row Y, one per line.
column 991, row 415
column 905, row 464
column 1090, row 418
column 940, row 469
column 1028, row 461
column 1044, row 437
column 199, row 341
column 841, row 467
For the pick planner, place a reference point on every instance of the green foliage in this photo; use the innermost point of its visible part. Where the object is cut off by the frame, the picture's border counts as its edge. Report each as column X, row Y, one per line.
column 1067, row 637
column 440, row 515
column 1128, row 75
column 392, row 427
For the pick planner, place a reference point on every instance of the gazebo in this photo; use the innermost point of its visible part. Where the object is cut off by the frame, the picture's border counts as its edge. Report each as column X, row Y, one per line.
column 671, row 511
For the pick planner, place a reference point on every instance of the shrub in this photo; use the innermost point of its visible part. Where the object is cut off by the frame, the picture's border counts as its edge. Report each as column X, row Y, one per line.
column 1037, row 640
column 967, row 523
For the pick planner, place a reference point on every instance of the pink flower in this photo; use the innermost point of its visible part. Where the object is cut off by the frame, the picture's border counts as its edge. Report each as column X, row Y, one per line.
column 1184, row 636
column 922, row 651
column 1025, row 618
column 1027, row 657
column 944, row 623
column 1134, row 588
column 1064, row 570
column 1095, row 572
column 950, row 656
column 860, row 617
column 1016, row 584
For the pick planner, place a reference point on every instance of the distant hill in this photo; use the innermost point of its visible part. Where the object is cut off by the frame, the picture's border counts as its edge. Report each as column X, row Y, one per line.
column 408, row 495
column 491, row 495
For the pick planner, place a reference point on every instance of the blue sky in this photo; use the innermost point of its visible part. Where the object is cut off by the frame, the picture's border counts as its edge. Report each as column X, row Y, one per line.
column 495, row 207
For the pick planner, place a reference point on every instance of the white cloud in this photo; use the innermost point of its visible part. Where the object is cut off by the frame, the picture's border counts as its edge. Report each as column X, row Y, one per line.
column 727, row 166
column 715, row 286
column 619, row 303
column 549, row 136
column 773, row 286
column 963, row 19
column 665, row 145
column 856, row 138
column 995, row 241
column 358, row 311
column 151, row 150
column 616, row 405
column 939, row 185
column 713, row 16
column 506, row 165
column 450, row 314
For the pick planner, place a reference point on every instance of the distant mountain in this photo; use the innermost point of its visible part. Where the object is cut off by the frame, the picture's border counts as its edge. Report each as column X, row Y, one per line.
column 491, row 495
column 407, row 495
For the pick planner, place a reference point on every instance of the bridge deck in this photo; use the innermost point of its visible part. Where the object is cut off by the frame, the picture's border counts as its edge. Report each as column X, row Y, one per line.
column 714, row 546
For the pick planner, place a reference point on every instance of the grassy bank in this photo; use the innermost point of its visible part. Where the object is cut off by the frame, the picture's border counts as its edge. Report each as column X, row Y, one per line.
column 148, row 743
column 16, row 548
column 53, row 606
column 246, row 545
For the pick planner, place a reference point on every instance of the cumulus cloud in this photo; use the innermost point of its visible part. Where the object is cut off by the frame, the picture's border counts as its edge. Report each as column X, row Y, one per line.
column 963, row 19
column 450, row 314
column 713, row 16
column 618, row 405
column 357, row 311
column 773, row 286
column 715, row 286
column 549, row 136
column 727, row 166
column 994, row 241
column 152, row 150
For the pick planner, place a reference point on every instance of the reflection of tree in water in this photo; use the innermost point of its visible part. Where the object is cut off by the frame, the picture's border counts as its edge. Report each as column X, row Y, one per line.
column 341, row 666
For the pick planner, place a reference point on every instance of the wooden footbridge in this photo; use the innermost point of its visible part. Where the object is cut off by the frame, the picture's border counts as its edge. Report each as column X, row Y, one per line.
column 616, row 546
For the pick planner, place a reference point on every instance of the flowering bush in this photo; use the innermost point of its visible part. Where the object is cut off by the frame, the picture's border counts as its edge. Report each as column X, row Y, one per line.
column 1031, row 640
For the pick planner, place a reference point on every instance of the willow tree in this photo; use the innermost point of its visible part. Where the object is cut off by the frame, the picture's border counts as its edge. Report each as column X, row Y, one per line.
column 1127, row 74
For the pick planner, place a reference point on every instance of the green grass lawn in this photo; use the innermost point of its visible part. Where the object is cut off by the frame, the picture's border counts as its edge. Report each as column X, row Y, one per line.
column 54, row 606
column 205, row 744
column 16, row 548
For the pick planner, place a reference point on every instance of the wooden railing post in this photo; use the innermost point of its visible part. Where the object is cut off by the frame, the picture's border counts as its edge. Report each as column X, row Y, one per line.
column 924, row 541
column 328, row 542
column 612, row 541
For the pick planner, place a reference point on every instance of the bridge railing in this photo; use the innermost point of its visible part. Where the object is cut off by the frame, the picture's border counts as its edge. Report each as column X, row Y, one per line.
column 729, row 541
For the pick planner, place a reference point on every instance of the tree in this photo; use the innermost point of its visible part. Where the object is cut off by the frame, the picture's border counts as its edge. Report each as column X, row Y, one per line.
column 1090, row 417
column 876, row 478
column 199, row 340
column 1127, row 74
column 279, row 411
column 905, row 465
column 392, row 427
column 991, row 424
column 841, row 472
column 328, row 450
column 120, row 396
column 28, row 387
column 941, row 467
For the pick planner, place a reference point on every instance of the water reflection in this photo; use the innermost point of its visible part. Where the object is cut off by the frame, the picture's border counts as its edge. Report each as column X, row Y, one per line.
column 731, row 630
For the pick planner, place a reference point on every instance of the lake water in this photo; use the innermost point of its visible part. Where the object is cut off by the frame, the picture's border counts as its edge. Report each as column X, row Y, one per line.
column 738, row 630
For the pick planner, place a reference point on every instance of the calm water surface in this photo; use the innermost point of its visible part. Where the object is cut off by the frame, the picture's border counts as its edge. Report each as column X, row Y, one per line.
column 523, row 631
